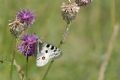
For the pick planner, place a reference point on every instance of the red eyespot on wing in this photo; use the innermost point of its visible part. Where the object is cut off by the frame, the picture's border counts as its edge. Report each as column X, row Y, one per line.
column 43, row 58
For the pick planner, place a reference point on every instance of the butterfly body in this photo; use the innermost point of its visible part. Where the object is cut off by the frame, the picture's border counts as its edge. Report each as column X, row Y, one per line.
column 45, row 53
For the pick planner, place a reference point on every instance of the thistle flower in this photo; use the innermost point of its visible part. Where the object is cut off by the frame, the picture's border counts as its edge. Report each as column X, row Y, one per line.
column 28, row 44
column 69, row 11
column 83, row 2
column 16, row 28
column 25, row 16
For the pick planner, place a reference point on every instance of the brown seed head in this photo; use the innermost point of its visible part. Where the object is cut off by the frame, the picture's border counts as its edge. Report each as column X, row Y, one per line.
column 69, row 11
column 83, row 2
column 16, row 28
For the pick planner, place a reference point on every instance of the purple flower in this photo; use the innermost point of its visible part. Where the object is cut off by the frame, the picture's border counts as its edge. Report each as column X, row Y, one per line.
column 25, row 16
column 27, row 45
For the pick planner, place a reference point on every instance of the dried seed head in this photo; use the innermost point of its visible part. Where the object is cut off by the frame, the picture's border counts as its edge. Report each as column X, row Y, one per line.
column 69, row 11
column 83, row 2
column 16, row 28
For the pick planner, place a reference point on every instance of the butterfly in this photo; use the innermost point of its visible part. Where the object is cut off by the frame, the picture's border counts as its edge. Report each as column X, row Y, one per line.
column 45, row 53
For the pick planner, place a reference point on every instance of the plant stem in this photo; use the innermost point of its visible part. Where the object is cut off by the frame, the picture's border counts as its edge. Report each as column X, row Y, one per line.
column 19, row 70
column 49, row 66
column 13, row 57
column 17, row 66
column 60, row 44
column 110, row 47
column 108, row 53
column 64, row 35
column 27, row 68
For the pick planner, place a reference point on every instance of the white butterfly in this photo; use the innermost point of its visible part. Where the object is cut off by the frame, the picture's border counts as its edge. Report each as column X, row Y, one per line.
column 45, row 53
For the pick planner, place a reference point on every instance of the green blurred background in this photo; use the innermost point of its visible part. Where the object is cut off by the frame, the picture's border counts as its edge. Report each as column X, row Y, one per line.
column 84, row 49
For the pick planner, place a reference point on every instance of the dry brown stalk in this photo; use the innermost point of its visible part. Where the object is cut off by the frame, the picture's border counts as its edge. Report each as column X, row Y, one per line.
column 19, row 70
column 108, row 53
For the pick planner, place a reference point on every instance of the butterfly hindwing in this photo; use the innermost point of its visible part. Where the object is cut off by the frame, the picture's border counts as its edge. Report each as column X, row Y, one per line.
column 42, row 60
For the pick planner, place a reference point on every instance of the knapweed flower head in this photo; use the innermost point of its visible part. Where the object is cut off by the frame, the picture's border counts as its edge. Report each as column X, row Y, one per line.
column 27, row 45
column 16, row 28
column 25, row 16
column 83, row 2
column 69, row 11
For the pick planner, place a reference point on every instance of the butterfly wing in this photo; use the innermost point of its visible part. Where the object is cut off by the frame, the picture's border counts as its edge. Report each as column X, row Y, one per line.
column 46, row 52
column 53, row 51
column 42, row 58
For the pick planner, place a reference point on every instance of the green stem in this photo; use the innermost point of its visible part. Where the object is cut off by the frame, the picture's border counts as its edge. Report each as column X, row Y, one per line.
column 64, row 35
column 49, row 66
column 13, row 57
column 60, row 44
column 27, row 68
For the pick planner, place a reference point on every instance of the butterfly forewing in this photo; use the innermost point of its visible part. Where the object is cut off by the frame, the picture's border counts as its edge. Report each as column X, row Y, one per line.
column 53, row 51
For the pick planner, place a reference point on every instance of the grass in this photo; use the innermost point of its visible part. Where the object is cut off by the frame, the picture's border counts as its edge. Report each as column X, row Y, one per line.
column 84, row 47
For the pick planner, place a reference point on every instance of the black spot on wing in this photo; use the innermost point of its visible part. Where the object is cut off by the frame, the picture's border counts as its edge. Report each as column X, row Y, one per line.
column 52, row 47
column 55, row 50
column 48, row 45
column 46, row 51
